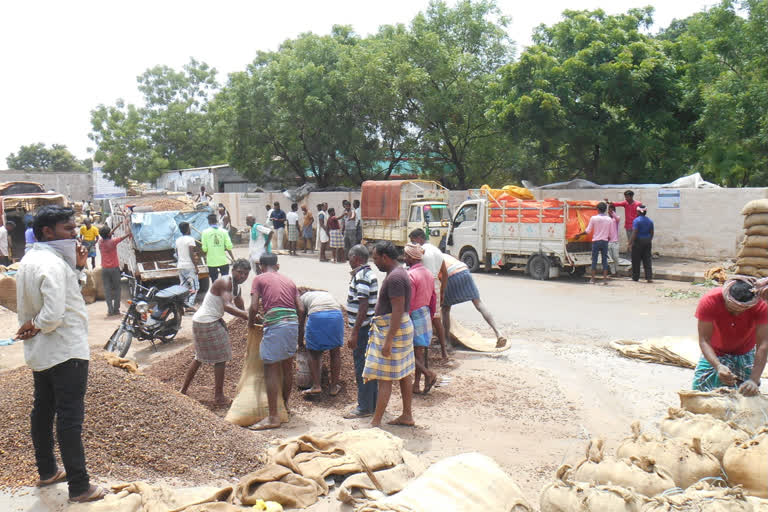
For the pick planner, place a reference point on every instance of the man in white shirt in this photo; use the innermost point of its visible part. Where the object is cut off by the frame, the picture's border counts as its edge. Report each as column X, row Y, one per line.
column 203, row 196
column 187, row 256
column 259, row 242
column 54, row 327
column 433, row 261
column 5, row 252
column 359, row 216
column 292, row 225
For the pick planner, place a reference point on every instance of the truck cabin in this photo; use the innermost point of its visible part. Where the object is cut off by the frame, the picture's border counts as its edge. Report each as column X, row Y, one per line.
column 21, row 208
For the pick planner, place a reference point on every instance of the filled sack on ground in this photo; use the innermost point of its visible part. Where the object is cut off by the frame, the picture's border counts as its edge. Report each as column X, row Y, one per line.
column 98, row 283
column 250, row 404
column 756, row 241
column 462, row 483
column 747, row 271
column 716, row 435
column 564, row 495
column 746, row 464
column 706, row 499
column 684, row 459
column 755, row 206
column 727, row 404
column 8, row 292
column 756, row 219
column 638, row 473
column 89, row 288
column 758, row 504
column 755, row 252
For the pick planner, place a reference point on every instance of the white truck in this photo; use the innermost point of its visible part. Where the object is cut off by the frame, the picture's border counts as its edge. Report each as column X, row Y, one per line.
column 538, row 236
column 392, row 209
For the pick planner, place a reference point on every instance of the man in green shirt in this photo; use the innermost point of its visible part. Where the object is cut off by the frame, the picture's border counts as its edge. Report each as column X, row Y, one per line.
column 216, row 245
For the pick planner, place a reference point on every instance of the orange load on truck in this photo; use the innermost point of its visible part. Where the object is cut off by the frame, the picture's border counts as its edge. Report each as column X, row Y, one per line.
column 548, row 211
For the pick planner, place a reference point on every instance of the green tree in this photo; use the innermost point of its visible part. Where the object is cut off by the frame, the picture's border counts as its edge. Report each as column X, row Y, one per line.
column 37, row 157
column 172, row 130
column 449, row 62
column 722, row 55
column 595, row 97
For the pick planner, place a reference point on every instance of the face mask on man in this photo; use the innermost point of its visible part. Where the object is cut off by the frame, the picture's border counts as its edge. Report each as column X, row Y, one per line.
column 67, row 248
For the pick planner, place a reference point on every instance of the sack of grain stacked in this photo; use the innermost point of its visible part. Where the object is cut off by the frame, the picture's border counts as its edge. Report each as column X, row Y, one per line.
column 710, row 439
column 752, row 259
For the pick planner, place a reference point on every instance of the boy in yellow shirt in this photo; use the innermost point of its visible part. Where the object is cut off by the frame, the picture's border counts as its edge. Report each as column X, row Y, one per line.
column 89, row 235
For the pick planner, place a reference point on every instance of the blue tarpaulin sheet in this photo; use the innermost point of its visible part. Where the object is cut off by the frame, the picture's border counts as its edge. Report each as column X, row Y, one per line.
column 158, row 231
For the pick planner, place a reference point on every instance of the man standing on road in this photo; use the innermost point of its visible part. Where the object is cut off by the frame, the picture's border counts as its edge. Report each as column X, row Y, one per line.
column 110, row 268
column 89, row 235
column 461, row 288
column 187, row 257
column 733, row 336
column 322, row 231
column 422, row 302
column 282, row 307
column 358, row 214
column 278, row 221
column 307, row 229
column 54, row 327
column 349, row 226
column 292, row 219
column 5, row 251
column 268, row 219
column 600, row 228
column 216, row 245
column 641, row 245
column 435, row 263
column 389, row 356
column 613, row 240
column 212, row 344
column 630, row 212
column 259, row 242
column 361, row 304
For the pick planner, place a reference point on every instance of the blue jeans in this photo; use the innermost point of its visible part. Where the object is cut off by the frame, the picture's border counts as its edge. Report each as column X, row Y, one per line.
column 600, row 247
column 367, row 394
column 188, row 278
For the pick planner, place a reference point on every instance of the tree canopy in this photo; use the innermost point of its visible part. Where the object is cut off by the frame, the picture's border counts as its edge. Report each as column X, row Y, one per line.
column 595, row 96
column 37, row 157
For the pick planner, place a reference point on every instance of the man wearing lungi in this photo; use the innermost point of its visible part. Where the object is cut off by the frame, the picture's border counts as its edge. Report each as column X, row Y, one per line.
column 422, row 302
column 322, row 324
column 292, row 221
column 306, row 228
column 282, row 308
column 433, row 260
column 361, row 304
column 389, row 356
column 210, row 332
column 259, row 242
column 733, row 336
column 461, row 288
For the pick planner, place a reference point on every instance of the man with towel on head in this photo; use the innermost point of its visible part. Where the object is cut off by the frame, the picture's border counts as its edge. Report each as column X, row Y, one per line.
column 435, row 263
column 422, row 305
column 389, row 356
column 282, row 308
column 733, row 336
column 324, row 331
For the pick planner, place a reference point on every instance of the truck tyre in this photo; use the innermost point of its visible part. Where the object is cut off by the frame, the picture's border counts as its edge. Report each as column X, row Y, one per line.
column 470, row 259
column 538, row 267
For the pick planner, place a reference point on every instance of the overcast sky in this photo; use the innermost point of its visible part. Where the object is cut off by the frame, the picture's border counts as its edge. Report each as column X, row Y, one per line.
column 62, row 59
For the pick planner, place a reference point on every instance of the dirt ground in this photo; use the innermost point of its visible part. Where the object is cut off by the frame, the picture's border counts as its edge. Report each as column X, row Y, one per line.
column 531, row 408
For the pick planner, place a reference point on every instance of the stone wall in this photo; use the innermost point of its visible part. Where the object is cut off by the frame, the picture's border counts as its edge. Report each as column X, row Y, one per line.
column 707, row 226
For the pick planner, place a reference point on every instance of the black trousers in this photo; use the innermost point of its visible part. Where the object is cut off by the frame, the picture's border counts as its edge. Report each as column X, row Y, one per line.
column 214, row 272
column 60, row 392
column 641, row 253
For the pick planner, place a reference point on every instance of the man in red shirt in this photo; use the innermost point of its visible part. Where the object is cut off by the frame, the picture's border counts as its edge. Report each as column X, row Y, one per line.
column 733, row 336
column 423, row 302
column 110, row 268
column 630, row 211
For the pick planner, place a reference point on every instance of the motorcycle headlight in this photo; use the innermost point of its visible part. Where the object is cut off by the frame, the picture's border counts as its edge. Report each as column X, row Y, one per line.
column 142, row 307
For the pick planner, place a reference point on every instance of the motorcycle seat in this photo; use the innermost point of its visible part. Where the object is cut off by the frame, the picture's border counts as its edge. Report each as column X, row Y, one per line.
column 171, row 292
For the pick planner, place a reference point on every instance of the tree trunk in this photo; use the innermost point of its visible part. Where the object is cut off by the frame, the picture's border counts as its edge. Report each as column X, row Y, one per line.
column 595, row 162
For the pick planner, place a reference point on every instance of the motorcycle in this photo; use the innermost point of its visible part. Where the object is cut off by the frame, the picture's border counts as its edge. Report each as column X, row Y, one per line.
column 152, row 314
